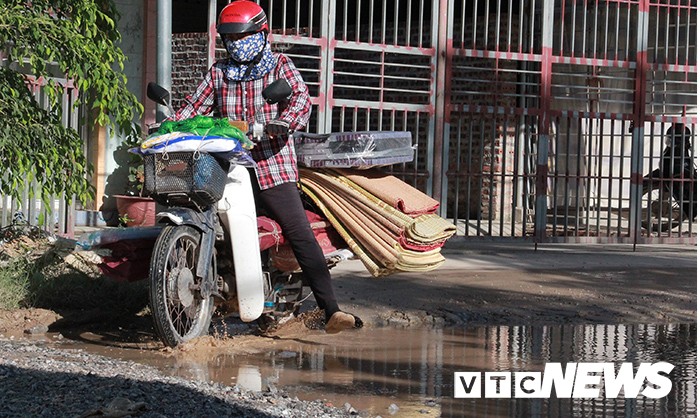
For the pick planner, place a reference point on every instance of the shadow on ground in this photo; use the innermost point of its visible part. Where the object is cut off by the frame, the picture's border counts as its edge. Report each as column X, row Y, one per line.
column 26, row 392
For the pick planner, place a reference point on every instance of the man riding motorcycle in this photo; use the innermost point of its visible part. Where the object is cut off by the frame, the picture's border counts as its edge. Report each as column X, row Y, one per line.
column 233, row 88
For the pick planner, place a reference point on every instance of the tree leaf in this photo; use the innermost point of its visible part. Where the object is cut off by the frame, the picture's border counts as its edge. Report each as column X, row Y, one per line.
column 56, row 38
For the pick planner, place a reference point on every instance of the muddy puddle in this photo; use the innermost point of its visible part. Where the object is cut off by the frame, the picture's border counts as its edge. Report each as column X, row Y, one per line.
column 411, row 372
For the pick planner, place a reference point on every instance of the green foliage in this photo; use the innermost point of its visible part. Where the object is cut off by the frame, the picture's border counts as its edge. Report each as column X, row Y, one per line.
column 35, row 272
column 47, row 282
column 124, row 219
column 20, row 247
column 72, row 39
column 14, row 284
column 134, row 162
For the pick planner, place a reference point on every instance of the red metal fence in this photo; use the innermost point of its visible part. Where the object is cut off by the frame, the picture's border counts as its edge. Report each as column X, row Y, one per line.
column 532, row 119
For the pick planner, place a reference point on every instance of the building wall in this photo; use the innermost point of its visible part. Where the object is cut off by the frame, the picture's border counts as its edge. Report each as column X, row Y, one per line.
column 189, row 64
column 108, row 159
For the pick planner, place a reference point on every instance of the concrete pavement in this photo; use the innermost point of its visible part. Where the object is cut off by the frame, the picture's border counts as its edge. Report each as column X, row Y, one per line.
column 511, row 283
column 485, row 255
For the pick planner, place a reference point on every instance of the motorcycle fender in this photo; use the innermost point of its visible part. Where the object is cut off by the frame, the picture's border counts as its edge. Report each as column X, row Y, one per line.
column 181, row 216
column 237, row 213
column 203, row 222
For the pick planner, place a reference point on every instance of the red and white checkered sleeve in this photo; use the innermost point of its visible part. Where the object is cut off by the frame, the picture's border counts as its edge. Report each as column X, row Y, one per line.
column 201, row 102
column 298, row 111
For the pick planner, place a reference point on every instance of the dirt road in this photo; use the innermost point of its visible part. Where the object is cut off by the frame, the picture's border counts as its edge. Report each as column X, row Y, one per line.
column 485, row 283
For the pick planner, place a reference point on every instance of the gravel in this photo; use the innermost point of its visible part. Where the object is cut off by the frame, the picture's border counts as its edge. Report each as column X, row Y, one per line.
column 41, row 381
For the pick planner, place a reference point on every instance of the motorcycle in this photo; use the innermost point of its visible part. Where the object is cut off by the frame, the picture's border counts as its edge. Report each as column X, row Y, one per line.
column 669, row 192
column 208, row 254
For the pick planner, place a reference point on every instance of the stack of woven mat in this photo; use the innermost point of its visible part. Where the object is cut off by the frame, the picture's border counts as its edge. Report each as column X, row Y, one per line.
column 388, row 224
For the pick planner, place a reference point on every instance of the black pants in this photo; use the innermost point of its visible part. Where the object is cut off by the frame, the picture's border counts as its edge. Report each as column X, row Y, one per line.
column 682, row 191
column 283, row 204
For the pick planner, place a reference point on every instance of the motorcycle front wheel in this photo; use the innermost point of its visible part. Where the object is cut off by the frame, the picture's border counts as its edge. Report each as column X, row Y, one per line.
column 180, row 312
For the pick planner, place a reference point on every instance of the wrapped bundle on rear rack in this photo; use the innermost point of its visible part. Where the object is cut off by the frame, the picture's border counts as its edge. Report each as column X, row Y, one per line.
column 354, row 149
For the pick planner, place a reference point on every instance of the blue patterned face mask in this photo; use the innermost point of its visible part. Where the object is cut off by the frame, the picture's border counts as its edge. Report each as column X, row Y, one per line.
column 246, row 49
column 243, row 51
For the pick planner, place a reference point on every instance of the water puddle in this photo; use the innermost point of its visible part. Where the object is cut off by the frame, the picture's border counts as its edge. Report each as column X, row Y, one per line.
column 411, row 372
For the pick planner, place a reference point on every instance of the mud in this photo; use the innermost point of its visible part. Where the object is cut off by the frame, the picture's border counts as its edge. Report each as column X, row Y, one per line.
column 420, row 327
column 480, row 284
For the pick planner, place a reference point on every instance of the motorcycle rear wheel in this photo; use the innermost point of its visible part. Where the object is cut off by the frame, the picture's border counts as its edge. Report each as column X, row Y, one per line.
column 180, row 312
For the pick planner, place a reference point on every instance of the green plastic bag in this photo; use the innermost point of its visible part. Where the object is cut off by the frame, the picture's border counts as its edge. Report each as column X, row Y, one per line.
column 206, row 126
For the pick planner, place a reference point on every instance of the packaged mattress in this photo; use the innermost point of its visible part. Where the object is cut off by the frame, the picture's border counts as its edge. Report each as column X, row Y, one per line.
column 354, row 149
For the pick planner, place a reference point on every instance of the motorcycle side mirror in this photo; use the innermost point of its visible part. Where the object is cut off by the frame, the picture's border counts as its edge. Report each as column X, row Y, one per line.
column 158, row 94
column 278, row 91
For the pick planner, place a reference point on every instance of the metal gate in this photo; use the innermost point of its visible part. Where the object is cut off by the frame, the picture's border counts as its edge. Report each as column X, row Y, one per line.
column 370, row 65
column 559, row 108
column 532, row 119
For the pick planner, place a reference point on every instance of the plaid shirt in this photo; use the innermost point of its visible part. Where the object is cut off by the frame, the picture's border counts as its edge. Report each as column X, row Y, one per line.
column 242, row 100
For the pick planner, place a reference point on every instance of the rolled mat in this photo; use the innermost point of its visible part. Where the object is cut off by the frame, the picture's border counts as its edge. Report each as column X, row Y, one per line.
column 384, row 238
column 357, row 249
column 392, row 190
column 430, row 228
column 375, row 242
column 426, row 229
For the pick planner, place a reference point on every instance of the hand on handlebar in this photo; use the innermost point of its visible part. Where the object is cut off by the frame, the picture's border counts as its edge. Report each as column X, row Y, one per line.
column 277, row 128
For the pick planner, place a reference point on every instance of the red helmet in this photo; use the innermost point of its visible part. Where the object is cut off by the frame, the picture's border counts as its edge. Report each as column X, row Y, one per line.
column 242, row 16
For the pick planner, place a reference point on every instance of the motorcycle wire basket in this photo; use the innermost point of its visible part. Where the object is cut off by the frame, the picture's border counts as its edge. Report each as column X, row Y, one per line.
column 185, row 178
